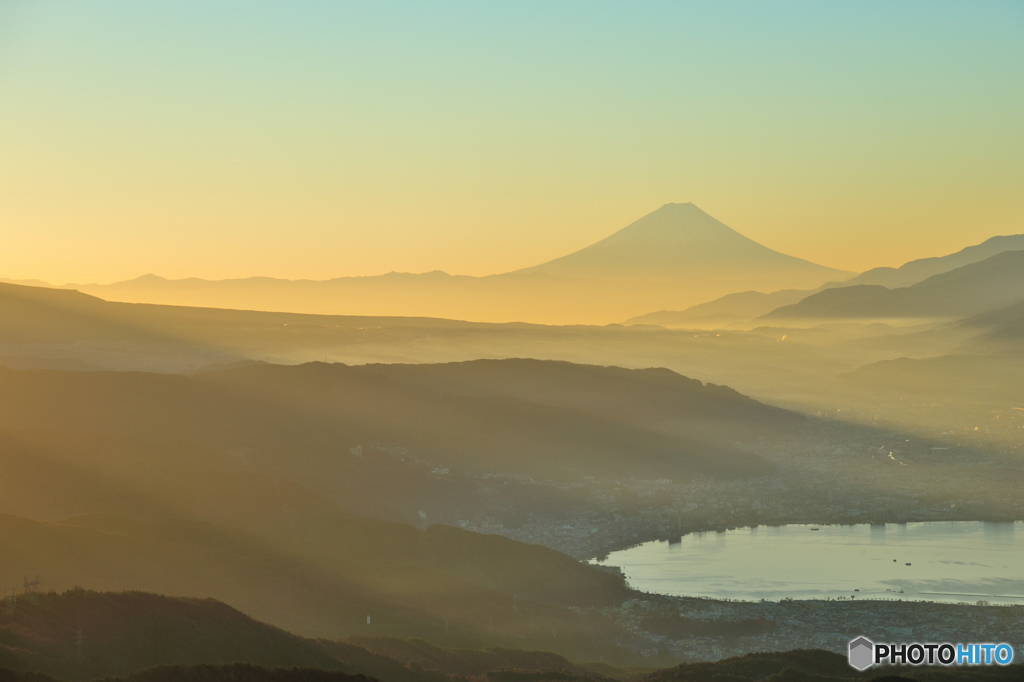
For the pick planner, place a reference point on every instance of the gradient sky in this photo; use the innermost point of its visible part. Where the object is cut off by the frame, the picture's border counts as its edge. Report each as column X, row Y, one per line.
column 320, row 139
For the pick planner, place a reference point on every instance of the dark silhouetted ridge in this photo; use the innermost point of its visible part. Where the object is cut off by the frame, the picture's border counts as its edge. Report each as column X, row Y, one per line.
column 915, row 271
column 969, row 290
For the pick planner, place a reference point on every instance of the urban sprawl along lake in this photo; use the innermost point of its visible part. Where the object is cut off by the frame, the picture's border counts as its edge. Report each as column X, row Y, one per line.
column 937, row 504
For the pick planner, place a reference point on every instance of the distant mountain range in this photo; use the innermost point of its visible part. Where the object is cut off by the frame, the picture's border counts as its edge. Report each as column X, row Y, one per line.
column 919, row 270
column 674, row 257
column 742, row 307
column 691, row 268
column 968, row 290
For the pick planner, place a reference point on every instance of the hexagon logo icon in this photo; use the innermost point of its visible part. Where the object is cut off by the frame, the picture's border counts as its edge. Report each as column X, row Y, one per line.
column 862, row 653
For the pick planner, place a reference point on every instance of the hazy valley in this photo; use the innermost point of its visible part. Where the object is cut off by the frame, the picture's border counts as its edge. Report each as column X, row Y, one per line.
column 415, row 477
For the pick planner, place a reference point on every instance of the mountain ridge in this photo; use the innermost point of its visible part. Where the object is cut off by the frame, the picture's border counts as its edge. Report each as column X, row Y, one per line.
column 677, row 255
column 968, row 290
column 918, row 270
column 744, row 306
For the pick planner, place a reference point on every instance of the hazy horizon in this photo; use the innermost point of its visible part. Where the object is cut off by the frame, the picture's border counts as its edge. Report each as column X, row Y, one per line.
column 256, row 275
column 677, row 266
column 613, row 257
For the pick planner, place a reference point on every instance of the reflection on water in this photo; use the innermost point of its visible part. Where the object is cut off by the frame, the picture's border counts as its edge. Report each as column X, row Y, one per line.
column 944, row 561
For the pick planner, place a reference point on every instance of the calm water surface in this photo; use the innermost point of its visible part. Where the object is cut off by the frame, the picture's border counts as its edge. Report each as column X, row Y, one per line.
column 948, row 561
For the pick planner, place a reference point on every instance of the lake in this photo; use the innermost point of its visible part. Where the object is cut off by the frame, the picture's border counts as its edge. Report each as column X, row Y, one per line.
column 934, row 561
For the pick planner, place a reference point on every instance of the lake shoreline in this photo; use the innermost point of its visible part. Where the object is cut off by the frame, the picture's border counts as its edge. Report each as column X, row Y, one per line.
column 936, row 561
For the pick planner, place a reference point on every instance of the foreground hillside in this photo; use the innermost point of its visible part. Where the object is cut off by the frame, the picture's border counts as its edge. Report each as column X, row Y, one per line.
column 234, row 672
column 810, row 665
column 254, row 485
column 82, row 635
column 443, row 584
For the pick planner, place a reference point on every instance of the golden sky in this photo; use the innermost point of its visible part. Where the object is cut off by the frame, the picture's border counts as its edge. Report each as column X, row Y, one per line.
column 316, row 140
